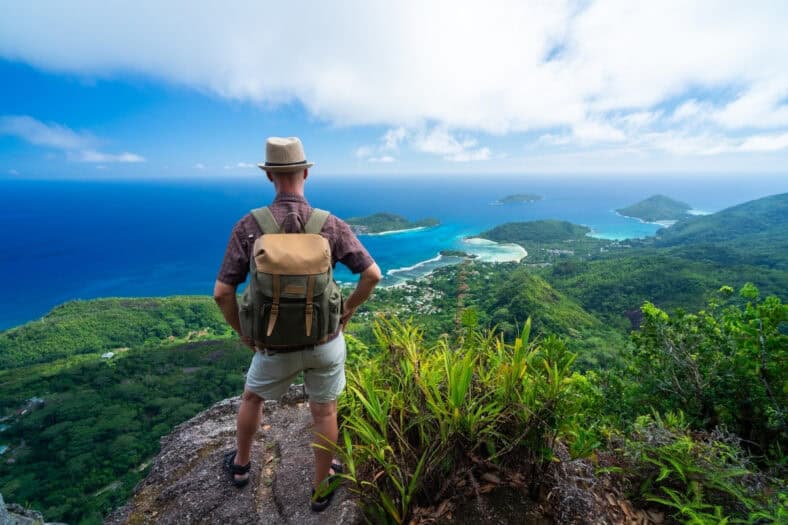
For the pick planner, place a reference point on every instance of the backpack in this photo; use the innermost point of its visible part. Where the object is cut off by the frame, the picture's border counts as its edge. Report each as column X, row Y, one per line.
column 292, row 299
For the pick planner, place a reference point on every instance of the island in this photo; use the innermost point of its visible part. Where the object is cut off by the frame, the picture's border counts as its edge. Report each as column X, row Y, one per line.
column 458, row 253
column 519, row 198
column 385, row 223
column 536, row 231
column 657, row 208
column 546, row 240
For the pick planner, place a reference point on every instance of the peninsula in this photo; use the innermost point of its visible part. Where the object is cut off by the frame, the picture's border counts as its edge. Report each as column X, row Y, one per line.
column 386, row 223
column 657, row 208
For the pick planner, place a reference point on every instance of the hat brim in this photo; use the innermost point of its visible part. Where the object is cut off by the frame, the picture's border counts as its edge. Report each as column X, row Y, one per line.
column 289, row 167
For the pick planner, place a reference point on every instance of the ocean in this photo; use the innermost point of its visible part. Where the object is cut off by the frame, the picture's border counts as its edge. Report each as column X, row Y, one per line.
column 62, row 240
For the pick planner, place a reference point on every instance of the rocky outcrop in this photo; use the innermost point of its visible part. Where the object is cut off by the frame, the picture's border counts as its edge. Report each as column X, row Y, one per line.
column 13, row 514
column 187, row 483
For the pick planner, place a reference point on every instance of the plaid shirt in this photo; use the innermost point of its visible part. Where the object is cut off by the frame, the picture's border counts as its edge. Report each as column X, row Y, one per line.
column 291, row 211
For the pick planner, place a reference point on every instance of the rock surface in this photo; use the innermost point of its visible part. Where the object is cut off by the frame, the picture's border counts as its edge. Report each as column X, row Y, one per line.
column 13, row 514
column 187, row 483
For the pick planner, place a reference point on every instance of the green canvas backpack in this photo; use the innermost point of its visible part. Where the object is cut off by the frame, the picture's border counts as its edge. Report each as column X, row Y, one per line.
column 292, row 299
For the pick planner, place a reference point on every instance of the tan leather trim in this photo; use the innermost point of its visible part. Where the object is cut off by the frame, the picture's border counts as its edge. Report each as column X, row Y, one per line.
column 294, row 289
column 274, row 308
column 292, row 254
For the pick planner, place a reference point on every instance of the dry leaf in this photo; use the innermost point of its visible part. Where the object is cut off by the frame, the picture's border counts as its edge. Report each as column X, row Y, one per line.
column 626, row 508
column 442, row 508
column 492, row 478
column 656, row 517
column 487, row 487
column 377, row 475
column 266, row 427
column 610, row 500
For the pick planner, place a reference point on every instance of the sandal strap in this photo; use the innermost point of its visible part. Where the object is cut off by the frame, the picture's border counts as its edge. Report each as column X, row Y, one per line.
column 229, row 460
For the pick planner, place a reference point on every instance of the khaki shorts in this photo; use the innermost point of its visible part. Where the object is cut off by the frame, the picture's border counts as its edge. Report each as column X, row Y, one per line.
column 270, row 376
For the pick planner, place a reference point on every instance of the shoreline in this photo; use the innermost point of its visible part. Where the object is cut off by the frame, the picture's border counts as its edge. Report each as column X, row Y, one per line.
column 666, row 223
column 516, row 254
column 393, row 232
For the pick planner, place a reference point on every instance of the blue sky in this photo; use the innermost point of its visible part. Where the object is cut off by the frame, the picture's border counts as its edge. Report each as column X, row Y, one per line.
column 192, row 89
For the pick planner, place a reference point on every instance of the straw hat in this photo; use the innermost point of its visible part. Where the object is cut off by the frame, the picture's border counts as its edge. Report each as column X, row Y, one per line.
column 284, row 154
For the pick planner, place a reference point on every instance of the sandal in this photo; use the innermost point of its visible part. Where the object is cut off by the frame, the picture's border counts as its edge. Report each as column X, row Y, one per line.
column 319, row 504
column 233, row 469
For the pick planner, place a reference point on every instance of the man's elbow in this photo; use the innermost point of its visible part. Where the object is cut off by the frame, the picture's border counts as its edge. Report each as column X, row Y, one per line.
column 223, row 292
column 373, row 275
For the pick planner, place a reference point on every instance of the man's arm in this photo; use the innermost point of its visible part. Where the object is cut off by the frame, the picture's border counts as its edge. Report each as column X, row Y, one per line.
column 367, row 282
column 224, row 295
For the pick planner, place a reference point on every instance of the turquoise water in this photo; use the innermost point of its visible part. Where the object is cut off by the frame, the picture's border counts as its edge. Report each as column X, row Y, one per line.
column 62, row 240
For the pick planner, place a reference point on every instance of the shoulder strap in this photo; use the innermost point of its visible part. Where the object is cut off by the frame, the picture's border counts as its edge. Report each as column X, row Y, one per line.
column 316, row 221
column 265, row 219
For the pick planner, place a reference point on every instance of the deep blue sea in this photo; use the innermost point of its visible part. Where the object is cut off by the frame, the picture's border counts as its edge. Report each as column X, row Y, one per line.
column 68, row 239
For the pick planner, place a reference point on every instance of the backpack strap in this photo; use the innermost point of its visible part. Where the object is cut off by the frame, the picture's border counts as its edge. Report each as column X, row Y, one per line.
column 265, row 219
column 309, row 309
column 316, row 221
column 274, row 306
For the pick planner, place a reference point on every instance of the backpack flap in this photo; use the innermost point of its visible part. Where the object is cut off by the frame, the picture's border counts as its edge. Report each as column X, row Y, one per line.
column 292, row 254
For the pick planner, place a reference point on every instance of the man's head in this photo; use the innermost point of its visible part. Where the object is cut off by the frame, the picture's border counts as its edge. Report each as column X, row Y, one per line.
column 285, row 164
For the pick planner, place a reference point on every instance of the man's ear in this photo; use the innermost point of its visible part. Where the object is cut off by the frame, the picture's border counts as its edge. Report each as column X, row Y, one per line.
column 306, row 173
column 268, row 174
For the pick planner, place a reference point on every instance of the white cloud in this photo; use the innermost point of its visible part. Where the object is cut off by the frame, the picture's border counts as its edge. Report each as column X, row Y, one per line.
column 765, row 142
column 393, row 137
column 468, row 67
column 440, row 141
column 199, row 166
column 79, row 147
column 437, row 140
column 51, row 135
column 239, row 165
column 13, row 172
column 90, row 155
column 385, row 159
column 364, row 152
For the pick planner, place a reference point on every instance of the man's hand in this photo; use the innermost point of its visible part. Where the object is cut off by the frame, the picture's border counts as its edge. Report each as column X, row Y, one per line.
column 366, row 283
column 346, row 315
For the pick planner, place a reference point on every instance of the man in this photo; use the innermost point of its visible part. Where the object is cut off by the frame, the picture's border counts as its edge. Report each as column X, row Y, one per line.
column 270, row 374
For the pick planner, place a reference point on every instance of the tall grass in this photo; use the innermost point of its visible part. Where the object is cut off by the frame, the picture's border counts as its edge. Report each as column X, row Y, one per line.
column 417, row 415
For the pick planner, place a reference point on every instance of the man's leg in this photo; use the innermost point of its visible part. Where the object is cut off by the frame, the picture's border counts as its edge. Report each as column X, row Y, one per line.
column 326, row 433
column 246, row 426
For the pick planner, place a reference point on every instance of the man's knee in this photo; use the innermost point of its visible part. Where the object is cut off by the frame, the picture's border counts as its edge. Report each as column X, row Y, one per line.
column 323, row 410
column 250, row 397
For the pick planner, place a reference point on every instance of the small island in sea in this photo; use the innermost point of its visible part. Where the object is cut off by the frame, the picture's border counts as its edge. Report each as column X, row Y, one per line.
column 658, row 209
column 384, row 223
column 544, row 240
column 518, row 198
column 458, row 253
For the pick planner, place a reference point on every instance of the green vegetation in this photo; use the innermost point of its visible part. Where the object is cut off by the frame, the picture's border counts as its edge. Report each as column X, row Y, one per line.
column 421, row 416
column 418, row 413
column 458, row 253
column 520, row 198
column 755, row 233
column 549, row 231
column 386, row 222
column 593, row 351
column 657, row 208
column 549, row 240
column 101, row 325
column 81, row 453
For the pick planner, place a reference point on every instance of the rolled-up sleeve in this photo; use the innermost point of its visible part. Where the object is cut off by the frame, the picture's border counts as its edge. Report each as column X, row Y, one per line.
column 235, row 265
column 347, row 249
